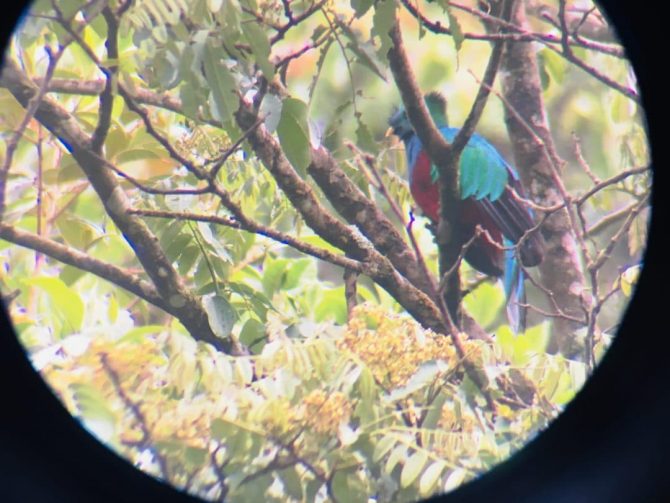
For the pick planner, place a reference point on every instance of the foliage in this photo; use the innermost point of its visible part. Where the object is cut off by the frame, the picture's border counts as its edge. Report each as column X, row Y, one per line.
column 381, row 407
column 341, row 395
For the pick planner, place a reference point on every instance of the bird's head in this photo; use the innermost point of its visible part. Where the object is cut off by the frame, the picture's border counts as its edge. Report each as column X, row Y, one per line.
column 437, row 107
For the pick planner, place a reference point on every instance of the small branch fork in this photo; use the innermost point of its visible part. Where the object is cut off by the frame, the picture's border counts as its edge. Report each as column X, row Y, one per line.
column 146, row 440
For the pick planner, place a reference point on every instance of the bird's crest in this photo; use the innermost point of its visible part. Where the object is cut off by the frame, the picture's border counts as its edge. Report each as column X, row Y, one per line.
column 437, row 107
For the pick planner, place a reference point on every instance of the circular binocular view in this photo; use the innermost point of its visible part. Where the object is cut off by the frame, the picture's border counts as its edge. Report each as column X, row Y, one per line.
column 312, row 250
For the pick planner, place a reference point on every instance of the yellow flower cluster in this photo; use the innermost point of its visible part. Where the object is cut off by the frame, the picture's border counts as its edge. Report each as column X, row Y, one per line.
column 189, row 422
column 449, row 421
column 277, row 417
column 393, row 346
column 324, row 413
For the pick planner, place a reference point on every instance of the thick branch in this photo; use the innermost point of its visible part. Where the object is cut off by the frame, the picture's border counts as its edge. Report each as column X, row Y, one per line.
column 75, row 258
column 358, row 210
column 250, row 226
column 302, row 196
column 443, row 156
column 185, row 306
column 537, row 161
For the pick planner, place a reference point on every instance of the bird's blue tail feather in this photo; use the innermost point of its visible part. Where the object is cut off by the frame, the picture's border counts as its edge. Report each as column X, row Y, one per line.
column 514, row 289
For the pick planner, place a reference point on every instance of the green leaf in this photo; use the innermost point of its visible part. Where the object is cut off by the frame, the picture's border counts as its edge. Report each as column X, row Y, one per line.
column 195, row 456
column 137, row 154
column 430, row 477
column 220, row 314
column 221, row 83
column 412, row 468
column 137, row 335
column 628, row 279
column 322, row 243
column 423, row 377
column 274, row 273
column 361, row 6
column 112, row 308
column 367, row 387
column 271, row 109
column 347, row 486
column 292, row 483
column 455, row 479
column 65, row 300
column 295, row 273
column 364, row 51
column 177, row 245
column 398, row 454
column 485, row 302
column 454, row 27
column 257, row 489
column 550, row 381
column 293, row 132
column 188, row 258
column 260, row 47
column 552, row 66
column 252, row 333
column 383, row 447
column 364, row 138
column 435, row 411
column 332, row 306
column 521, row 348
column 76, row 231
column 91, row 403
column 222, row 430
column 94, row 410
column 243, row 370
column 382, row 21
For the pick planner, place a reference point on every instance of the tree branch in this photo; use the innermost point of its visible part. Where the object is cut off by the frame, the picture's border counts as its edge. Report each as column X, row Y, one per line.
column 537, row 161
column 302, row 196
column 185, row 305
column 84, row 262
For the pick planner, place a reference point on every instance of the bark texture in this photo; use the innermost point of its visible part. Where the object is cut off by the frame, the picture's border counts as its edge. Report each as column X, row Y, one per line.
column 538, row 164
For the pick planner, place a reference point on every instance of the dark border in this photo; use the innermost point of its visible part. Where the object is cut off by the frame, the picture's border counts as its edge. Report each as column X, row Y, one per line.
column 610, row 445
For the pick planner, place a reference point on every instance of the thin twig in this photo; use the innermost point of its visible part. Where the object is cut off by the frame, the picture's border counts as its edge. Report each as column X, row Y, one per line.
column 134, row 408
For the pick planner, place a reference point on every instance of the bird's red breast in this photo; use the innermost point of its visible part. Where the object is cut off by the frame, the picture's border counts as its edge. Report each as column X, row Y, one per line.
column 482, row 254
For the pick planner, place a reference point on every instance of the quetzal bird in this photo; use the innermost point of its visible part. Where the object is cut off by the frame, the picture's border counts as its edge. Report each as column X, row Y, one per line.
column 487, row 186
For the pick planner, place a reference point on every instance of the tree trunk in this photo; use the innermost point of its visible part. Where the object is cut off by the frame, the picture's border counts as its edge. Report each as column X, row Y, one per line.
column 561, row 270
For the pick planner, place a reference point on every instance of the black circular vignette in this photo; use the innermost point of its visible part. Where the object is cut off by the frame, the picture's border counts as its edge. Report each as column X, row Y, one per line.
column 611, row 444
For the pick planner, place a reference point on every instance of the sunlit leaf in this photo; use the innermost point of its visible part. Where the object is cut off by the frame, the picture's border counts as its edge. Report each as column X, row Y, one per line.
column 412, row 468
column 292, row 482
column 260, row 46
column 65, row 300
column 332, row 306
column 485, row 302
column 430, row 477
column 455, row 479
column 424, row 376
column 221, row 315
column 361, row 6
column 221, row 83
column 94, row 409
column 629, row 279
column 398, row 454
column 383, row 447
column 293, row 132
column 252, row 333
column 270, row 109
